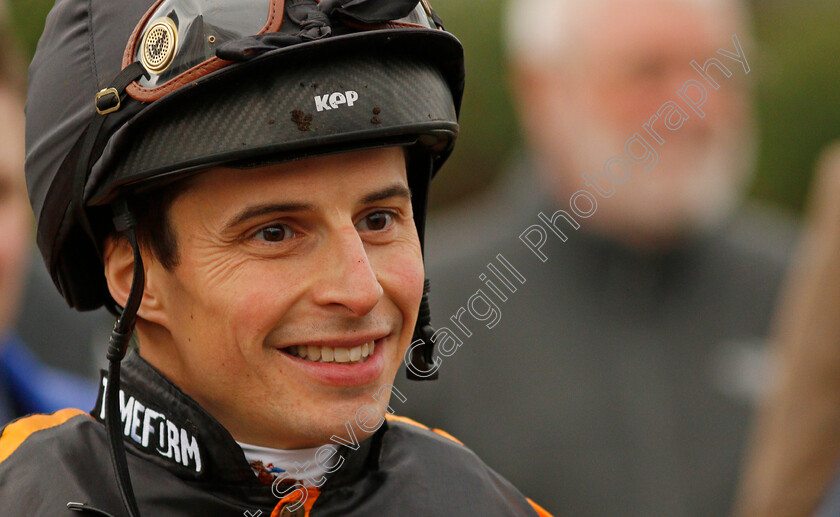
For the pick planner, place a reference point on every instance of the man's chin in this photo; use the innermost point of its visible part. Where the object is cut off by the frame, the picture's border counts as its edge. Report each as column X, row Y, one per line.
column 337, row 430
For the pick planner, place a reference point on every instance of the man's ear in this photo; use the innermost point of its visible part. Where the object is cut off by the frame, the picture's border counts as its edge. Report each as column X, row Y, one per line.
column 118, row 257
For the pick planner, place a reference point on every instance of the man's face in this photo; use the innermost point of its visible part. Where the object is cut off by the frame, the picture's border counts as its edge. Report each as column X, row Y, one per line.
column 15, row 215
column 319, row 255
column 628, row 60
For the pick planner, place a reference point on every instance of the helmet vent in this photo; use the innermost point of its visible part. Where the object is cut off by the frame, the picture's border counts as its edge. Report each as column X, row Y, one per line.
column 159, row 44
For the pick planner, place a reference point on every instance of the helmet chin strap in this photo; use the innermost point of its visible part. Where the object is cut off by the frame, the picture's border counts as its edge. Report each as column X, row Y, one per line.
column 420, row 365
column 106, row 102
column 124, row 223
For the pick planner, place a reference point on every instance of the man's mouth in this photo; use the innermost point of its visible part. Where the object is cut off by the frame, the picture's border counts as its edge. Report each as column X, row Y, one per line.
column 328, row 354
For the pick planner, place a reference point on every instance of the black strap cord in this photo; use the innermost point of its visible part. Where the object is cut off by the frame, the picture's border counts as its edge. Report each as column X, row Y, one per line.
column 421, row 357
column 107, row 101
column 125, row 223
column 64, row 214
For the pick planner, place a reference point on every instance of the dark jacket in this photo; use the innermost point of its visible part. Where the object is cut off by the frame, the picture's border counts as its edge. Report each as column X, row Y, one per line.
column 183, row 462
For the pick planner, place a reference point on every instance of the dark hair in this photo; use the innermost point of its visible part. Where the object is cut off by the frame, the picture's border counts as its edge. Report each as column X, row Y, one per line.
column 155, row 232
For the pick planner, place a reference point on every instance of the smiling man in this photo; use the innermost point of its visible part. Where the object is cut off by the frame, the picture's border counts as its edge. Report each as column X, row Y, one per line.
column 245, row 186
column 301, row 281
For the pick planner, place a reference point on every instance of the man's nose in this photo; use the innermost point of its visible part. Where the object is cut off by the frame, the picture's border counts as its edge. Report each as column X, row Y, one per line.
column 347, row 278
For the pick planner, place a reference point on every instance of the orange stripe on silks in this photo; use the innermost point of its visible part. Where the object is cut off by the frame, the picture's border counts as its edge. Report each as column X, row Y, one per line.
column 405, row 420
column 311, row 497
column 447, row 435
column 409, row 421
column 540, row 510
column 18, row 431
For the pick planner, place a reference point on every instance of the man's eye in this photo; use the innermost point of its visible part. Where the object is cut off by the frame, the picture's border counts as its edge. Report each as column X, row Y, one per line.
column 375, row 222
column 275, row 233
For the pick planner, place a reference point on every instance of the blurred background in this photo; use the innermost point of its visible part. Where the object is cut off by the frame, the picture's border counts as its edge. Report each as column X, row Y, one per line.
column 798, row 99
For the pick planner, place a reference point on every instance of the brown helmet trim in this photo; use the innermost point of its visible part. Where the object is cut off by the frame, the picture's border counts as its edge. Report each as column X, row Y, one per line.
column 275, row 20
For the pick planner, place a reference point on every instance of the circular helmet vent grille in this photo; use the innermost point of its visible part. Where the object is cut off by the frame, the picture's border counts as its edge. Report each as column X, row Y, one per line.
column 159, row 43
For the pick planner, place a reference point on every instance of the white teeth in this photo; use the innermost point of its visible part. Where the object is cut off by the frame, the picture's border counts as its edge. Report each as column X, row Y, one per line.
column 342, row 355
column 326, row 354
column 313, row 353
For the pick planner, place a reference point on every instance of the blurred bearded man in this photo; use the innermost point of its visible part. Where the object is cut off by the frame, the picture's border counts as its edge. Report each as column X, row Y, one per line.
column 640, row 287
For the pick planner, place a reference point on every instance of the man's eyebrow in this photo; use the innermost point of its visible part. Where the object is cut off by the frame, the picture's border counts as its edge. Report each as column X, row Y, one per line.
column 270, row 208
column 395, row 190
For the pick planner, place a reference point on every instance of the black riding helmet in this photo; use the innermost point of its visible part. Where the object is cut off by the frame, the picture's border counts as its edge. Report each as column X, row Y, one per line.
column 281, row 95
column 125, row 97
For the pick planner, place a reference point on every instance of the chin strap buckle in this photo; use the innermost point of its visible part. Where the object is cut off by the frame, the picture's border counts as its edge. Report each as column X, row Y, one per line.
column 107, row 101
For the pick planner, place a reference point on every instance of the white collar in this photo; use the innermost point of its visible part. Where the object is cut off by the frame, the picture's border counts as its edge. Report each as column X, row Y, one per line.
column 298, row 464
